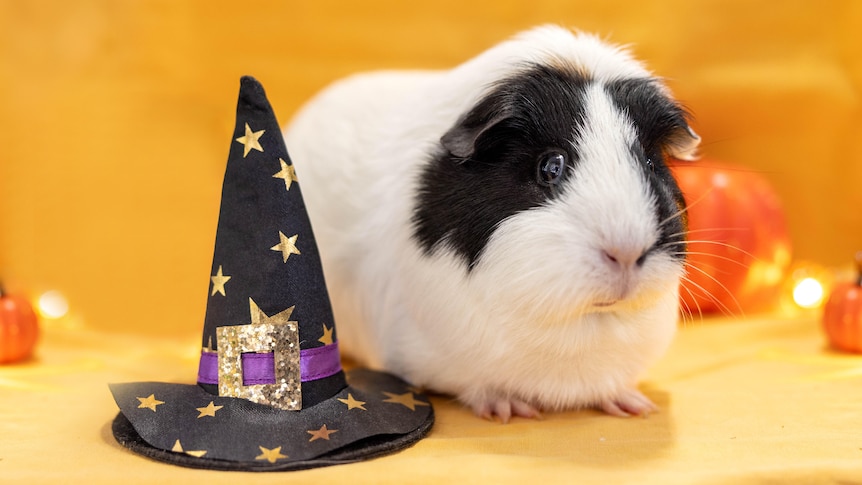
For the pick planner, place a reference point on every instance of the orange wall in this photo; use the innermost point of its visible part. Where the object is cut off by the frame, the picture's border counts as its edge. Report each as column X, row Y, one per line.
column 115, row 117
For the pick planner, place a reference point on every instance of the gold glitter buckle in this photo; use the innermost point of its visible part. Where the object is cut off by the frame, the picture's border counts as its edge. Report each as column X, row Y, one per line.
column 276, row 334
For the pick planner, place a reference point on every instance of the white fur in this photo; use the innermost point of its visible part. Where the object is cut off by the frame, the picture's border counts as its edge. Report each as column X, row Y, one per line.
column 522, row 327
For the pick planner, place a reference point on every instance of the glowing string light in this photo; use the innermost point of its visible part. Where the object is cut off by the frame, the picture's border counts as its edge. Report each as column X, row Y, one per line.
column 808, row 293
column 52, row 304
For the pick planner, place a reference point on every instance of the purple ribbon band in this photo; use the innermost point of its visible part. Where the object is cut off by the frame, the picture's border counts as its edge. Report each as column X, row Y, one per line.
column 257, row 369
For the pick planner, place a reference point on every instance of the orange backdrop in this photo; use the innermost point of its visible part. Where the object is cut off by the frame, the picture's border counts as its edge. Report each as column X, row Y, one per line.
column 115, row 118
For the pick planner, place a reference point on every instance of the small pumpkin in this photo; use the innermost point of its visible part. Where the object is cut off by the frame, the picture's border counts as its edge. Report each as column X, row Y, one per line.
column 19, row 328
column 842, row 315
column 739, row 245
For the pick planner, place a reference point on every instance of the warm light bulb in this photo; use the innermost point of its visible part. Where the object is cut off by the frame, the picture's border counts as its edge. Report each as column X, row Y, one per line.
column 808, row 293
column 52, row 304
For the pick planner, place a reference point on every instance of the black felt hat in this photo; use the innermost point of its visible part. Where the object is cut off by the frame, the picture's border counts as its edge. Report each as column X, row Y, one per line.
column 270, row 393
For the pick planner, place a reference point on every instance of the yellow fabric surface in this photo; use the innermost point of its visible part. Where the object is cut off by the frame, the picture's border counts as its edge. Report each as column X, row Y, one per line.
column 750, row 401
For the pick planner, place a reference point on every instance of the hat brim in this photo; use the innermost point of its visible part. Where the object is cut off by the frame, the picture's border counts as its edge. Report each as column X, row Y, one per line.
column 245, row 436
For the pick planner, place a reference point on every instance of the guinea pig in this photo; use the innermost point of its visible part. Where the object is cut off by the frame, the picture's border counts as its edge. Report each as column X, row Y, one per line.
column 506, row 231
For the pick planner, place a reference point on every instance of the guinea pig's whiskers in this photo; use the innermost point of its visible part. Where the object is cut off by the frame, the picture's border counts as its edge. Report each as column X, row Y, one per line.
column 724, row 308
column 706, row 253
column 690, row 204
column 702, row 291
column 710, row 230
column 685, row 309
column 672, row 217
column 726, row 245
column 716, row 256
column 682, row 211
column 690, row 287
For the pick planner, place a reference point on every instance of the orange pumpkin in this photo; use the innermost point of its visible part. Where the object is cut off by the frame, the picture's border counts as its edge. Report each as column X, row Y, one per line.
column 842, row 316
column 739, row 246
column 19, row 328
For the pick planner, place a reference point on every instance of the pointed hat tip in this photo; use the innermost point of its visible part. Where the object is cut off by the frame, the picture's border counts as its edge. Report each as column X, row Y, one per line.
column 248, row 81
column 249, row 87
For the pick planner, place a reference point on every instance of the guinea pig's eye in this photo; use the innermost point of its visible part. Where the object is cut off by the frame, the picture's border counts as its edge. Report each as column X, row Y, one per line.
column 651, row 159
column 649, row 164
column 551, row 167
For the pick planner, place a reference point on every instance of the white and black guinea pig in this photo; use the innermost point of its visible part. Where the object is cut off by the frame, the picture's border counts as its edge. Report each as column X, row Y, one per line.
column 506, row 231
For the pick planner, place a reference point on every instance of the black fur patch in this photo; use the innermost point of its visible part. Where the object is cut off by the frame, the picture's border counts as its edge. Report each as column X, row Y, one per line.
column 464, row 195
column 485, row 170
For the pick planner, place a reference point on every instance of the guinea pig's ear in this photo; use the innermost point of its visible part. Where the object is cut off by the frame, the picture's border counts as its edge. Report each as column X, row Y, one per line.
column 683, row 144
column 461, row 139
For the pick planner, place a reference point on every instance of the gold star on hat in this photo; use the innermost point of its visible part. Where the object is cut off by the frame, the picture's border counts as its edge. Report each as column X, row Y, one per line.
column 149, row 402
column 270, row 455
column 320, row 434
column 407, row 400
column 287, row 173
column 250, row 140
column 353, row 403
column 208, row 410
column 219, row 279
column 287, row 245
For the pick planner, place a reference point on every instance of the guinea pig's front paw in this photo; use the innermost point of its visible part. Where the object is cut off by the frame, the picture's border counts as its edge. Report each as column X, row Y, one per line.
column 627, row 403
column 505, row 409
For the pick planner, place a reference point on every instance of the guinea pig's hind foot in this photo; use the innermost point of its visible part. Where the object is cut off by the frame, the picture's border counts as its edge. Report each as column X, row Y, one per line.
column 627, row 403
column 505, row 409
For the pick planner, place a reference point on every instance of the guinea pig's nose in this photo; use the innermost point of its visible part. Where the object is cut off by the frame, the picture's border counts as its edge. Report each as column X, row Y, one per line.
column 624, row 258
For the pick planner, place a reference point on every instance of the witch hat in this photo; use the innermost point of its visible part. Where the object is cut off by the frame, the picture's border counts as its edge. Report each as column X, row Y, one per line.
column 270, row 393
